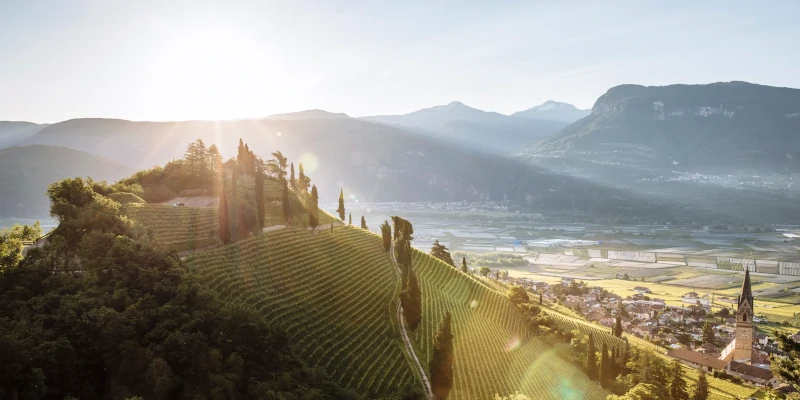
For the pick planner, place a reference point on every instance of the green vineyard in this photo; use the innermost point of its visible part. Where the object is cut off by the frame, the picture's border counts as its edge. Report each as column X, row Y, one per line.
column 494, row 351
column 333, row 293
column 181, row 228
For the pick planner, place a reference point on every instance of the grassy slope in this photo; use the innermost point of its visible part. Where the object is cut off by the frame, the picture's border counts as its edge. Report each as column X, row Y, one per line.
column 179, row 227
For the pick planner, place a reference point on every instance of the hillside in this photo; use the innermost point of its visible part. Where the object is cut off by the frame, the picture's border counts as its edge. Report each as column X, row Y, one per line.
column 553, row 111
column 374, row 162
column 719, row 127
column 312, row 293
column 25, row 173
column 474, row 128
column 13, row 132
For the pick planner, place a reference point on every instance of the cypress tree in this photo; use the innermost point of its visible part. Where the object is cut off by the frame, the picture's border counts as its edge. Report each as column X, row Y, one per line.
column 618, row 326
column 441, row 364
column 364, row 223
column 386, row 235
column 224, row 228
column 313, row 206
column 287, row 207
column 605, row 367
column 614, row 365
column 261, row 207
column 302, row 183
column 701, row 389
column 350, row 216
column 540, row 299
column 677, row 387
column 411, row 300
column 591, row 360
column 464, row 268
column 340, row 210
column 292, row 179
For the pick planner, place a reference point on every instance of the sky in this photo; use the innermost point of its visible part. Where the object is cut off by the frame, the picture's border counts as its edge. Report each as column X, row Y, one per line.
column 200, row 59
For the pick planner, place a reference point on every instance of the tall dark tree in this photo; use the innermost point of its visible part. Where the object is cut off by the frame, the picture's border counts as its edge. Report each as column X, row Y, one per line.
column 364, row 223
column 464, row 268
column 313, row 207
column 261, row 206
column 278, row 165
column 340, row 210
column 708, row 333
column 591, row 360
column 285, row 204
column 411, row 300
column 292, row 180
column 224, row 218
column 386, row 235
column 350, row 219
column 787, row 368
column 614, row 365
column 605, row 367
column 618, row 326
column 440, row 251
column 701, row 389
column 302, row 182
column 677, row 385
column 441, row 364
column 540, row 299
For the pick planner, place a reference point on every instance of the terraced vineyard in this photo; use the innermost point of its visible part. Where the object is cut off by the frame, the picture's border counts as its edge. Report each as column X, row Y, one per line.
column 494, row 352
column 177, row 227
column 333, row 293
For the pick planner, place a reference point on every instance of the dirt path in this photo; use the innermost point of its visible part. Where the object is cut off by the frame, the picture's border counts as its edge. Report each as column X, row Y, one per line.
column 406, row 341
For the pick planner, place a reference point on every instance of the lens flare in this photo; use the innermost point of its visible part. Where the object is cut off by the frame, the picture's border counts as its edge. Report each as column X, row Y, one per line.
column 512, row 344
column 473, row 304
column 310, row 162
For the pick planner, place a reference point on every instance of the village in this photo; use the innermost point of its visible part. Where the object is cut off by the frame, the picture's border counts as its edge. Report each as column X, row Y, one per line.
column 721, row 342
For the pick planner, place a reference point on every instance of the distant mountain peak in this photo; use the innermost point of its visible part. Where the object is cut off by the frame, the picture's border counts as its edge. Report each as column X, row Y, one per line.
column 554, row 111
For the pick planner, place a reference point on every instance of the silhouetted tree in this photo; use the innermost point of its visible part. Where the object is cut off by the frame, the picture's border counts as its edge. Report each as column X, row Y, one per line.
column 386, row 235
column 411, row 300
column 302, row 182
column 277, row 165
column 540, row 299
column 591, row 360
column 292, row 179
column 285, row 204
column 440, row 251
column 517, row 295
column 618, row 326
column 613, row 362
column 350, row 219
column 708, row 333
column 261, row 207
column 464, row 268
column 340, row 210
column 441, row 364
column 363, row 223
column 313, row 207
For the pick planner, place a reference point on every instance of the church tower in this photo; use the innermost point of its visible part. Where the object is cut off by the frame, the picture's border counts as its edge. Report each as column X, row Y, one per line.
column 744, row 323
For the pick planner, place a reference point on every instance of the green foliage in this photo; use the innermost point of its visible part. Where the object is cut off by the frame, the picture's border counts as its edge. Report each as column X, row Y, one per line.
column 708, row 334
column 126, row 198
column 518, row 295
column 440, row 251
column 313, row 208
column 286, row 206
column 605, row 373
column 303, row 181
column 484, row 271
column 642, row 391
column 618, row 326
column 492, row 260
column 701, row 389
column 340, row 210
column 411, row 300
column 464, row 267
column 259, row 194
column 224, row 219
column 364, row 223
column 12, row 242
column 441, row 365
column 293, row 181
column 787, row 368
column 677, row 385
column 591, row 360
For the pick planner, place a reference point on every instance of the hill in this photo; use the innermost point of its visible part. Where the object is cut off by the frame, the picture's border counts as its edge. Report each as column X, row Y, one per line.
column 336, row 297
column 474, row 128
column 374, row 162
column 25, row 173
column 553, row 111
column 720, row 127
column 13, row 132
column 308, row 114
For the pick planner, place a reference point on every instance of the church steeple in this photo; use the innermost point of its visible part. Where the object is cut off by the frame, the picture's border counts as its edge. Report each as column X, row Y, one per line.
column 747, row 293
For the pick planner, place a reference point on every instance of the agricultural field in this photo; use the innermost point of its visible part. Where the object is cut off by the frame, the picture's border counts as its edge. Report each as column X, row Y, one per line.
column 332, row 292
column 494, row 352
column 181, row 228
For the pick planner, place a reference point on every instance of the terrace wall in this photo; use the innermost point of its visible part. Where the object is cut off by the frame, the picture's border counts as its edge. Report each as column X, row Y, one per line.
column 789, row 268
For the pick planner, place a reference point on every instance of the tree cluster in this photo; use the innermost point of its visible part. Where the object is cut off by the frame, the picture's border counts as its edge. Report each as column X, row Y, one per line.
column 440, row 251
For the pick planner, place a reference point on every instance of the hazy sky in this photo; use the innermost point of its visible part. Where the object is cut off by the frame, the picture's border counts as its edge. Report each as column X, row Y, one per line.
column 169, row 60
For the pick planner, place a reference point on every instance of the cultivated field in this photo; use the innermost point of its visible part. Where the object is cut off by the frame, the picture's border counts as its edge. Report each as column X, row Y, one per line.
column 181, row 228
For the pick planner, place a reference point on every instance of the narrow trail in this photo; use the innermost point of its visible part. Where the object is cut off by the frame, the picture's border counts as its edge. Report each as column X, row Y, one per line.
column 406, row 341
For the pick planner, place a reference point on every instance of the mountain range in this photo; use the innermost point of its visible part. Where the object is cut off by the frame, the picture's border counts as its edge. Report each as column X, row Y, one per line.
column 716, row 127
column 553, row 111
column 485, row 130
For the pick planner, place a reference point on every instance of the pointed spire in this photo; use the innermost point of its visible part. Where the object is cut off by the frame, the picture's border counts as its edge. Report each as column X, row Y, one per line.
column 747, row 293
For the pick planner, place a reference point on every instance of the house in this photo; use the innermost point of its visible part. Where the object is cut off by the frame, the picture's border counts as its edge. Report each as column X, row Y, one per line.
column 607, row 321
column 762, row 339
column 753, row 374
column 707, row 348
column 641, row 289
column 698, row 361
